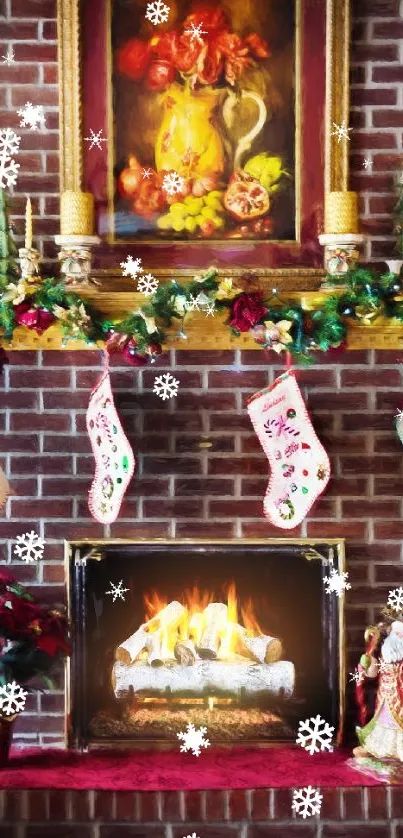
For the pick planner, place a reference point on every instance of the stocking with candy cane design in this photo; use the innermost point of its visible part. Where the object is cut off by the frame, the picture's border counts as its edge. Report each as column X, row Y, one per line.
column 299, row 464
column 114, row 459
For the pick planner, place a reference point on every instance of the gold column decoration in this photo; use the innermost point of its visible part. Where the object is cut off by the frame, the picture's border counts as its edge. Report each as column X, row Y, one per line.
column 341, row 213
column 28, row 255
column 76, row 213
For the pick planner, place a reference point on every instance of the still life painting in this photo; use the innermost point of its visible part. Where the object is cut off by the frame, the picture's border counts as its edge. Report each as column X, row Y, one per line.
column 204, row 120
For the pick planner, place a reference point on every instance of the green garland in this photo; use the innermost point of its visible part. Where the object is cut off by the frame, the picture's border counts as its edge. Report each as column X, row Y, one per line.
column 273, row 322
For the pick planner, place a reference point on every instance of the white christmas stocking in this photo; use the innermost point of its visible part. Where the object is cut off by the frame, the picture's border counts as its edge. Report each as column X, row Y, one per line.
column 114, row 459
column 299, row 464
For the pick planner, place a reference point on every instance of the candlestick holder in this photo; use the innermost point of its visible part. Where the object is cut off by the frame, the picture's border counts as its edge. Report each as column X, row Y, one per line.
column 29, row 264
column 342, row 252
column 75, row 259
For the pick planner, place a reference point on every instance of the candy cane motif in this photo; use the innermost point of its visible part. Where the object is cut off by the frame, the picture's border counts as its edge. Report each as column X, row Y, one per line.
column 102, row 422
column 280, row 426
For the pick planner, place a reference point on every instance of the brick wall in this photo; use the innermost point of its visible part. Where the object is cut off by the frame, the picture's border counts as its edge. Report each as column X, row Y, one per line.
column 182, row 489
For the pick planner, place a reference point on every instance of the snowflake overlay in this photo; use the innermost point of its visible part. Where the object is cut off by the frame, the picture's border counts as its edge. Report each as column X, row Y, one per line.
column 383, row 666
column 9, row 145
column 166, row 386
column 32, row 116
column 210, row 310
column 193, row 739
column 307, row 801
column 193, row 835
column 341, row 132
column 131, row 267
column 395, row 599
column 95, row 139
column 30, row 547
column 196, row 32
column 117, row 591
column 157, row 12
column 314, row 732
column 9, row 57
column 357, row 676
column 367, row 163
column 173, row 183
column 147, row 173
column 12, row 698
column 147, row 284
column 336, row 582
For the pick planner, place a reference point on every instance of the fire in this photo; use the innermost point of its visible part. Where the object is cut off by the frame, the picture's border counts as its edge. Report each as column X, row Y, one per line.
column 240, row 616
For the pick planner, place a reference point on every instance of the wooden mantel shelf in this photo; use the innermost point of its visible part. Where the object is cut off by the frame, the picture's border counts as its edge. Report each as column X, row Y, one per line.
column 207, row 333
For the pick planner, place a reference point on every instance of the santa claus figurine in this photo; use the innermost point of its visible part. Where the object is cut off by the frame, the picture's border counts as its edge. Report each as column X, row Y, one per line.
column 382, row 737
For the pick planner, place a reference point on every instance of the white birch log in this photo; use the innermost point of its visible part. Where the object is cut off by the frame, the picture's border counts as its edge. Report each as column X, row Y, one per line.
column 215, row 619
column 158, row 651
column 169, row 617
column 185, row 652
column 263, row 648
column 205, row 677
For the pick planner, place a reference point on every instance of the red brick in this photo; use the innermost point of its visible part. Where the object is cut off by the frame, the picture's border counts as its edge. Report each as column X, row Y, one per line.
column 71, row 444
column 188, row 379
column 370, row 508
column 330, row 808
column 366, row 830
column 22, row 443
column 235, row 509
column 392, row 530
column 337, row 401
column 203, row 486
column 388, row 74
column 40, row 422
column 171, row 465
column 206, row 831
column 251, row 379
column 37, row 805
column 103, row 807
column 205, row 401
column 41, row 508
column 344, row 529
column 370, row 422
column 260, row 804
column 201, row 357
column 238, row 465
column 397, row 802
column 282, row 803
column 148, row 806
column 32, row 379
column 51, row 831
column 238, row 805
column 185, row 421
column 379, row 464
column 80, row 804
column 163, row 508
column 204, row 529
column 216, row 444
column 130, row 831
column 215, row 805
column 171, row 809
column 41, row 465
column 289, row 830
column 262, row 529
column 373, row 96
column 139, row 529
column 193, row 806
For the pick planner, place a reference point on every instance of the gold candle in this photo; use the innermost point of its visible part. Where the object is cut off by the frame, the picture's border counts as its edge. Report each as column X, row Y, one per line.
column 28, row 225
column 77, row 213
column 341, row 213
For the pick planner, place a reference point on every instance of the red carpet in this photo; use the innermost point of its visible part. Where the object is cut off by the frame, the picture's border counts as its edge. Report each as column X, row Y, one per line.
column 215, row 768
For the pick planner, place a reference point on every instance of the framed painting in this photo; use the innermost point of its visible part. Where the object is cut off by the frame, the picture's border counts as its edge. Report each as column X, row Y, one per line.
column 205, row 130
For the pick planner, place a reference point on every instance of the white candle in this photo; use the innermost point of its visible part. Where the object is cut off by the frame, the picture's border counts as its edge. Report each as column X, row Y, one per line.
column 28, row 225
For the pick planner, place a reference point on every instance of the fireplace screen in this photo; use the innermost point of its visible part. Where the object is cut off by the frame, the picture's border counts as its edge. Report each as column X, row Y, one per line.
column 236, row 636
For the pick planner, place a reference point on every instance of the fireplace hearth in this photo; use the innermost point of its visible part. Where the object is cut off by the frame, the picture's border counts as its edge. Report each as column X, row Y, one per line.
column 239, row 637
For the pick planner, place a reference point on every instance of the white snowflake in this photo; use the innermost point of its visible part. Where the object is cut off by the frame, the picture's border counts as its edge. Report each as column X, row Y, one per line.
column 30, row 547
column 147, row 173
column 336, row 582
column 399, row 415
column 95, row 139
column 147, row 284
column 12, row 698
column 196, row 32
column 9, row 145
column 193, row 304
column 157, row 12
column 166, row 386
column 341, row 132
column 307, row 801
column 131, row 267
column 193, row 835
column 367, row 163
column 395, row 599
column 193, row 739
column 358, row 676
column 210, row 310
column 173, row 183
column 9, row 57
column 117, row 591
column 383, row 666
column 32, row 116
column 313, row 732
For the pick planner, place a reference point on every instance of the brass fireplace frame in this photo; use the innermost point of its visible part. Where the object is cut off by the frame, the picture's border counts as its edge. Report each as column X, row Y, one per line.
column 95, row 553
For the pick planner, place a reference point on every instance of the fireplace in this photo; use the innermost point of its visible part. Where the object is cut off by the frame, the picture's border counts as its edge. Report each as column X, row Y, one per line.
column 239, row 637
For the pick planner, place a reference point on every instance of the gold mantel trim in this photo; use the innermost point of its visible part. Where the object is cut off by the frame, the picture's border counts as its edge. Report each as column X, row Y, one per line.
column 337, row 93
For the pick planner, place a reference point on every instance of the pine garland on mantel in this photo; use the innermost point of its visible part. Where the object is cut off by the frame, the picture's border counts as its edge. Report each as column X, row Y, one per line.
column 273, row 321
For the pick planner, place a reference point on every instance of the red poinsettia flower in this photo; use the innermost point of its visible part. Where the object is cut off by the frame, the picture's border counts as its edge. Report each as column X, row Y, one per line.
column 16, row 614
column 38, row 319
column 246, row 311
column 51, row 634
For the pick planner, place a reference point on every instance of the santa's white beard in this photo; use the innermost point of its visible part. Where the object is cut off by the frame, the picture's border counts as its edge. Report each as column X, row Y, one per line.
column 392, row 648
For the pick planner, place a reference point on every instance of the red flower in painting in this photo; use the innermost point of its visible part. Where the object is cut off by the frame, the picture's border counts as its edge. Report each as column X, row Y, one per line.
column 236, row 54
column 246, row 311
column 159, row 76
column 257, row 46
column 210, row 18
column 133, row 59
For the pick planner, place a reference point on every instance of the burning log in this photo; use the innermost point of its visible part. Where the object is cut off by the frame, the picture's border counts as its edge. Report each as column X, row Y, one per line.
column 185, row 652
column 168, row 618
column 215, row 620
column 158, row 649
column 205, row 678
column 263, row 648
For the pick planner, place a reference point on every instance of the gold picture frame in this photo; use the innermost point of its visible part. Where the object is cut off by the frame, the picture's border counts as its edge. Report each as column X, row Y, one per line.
column 335, row 152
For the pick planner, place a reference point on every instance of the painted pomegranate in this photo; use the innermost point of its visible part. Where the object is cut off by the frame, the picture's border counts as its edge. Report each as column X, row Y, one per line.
column 245, row 197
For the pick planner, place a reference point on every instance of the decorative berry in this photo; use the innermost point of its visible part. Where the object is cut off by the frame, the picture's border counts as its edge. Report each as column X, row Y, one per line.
column 291, row 413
